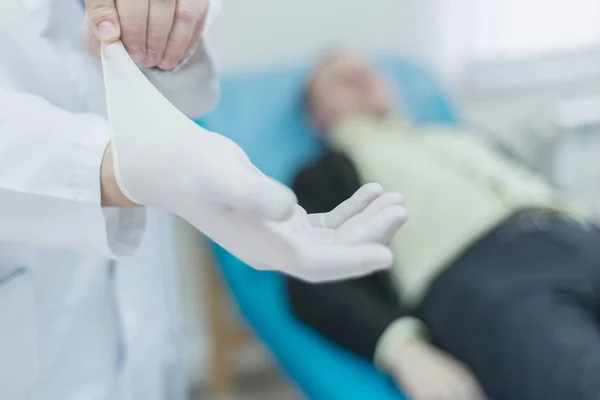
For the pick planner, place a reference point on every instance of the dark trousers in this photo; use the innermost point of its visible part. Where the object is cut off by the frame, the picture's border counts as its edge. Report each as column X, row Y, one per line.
column 522, row 309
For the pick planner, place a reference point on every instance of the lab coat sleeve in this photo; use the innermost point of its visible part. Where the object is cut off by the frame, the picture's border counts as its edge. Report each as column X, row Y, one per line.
column 50, row 163
column 194, row 87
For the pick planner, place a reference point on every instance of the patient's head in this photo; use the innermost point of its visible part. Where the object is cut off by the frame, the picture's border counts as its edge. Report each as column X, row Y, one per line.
column 343, row 85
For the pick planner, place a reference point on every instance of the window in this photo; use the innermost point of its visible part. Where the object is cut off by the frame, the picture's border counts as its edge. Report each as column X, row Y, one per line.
column 542, row 40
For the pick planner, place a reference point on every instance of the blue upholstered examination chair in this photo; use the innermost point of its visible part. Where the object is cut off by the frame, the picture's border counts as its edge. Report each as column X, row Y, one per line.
column 262, row 112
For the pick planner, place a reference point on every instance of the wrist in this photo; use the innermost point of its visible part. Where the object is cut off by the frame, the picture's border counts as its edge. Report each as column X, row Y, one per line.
column 400, row 334
column 403, row 356
column 111, row 194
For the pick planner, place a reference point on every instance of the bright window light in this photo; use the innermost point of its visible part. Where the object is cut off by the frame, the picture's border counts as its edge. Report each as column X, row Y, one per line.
column 528, row 28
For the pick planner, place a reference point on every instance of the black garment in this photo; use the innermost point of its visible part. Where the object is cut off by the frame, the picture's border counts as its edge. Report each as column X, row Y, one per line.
column 521, row 307
column 358, row 323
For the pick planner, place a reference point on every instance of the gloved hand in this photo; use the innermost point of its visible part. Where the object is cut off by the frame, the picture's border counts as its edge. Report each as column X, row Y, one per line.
column 164, row 159
column 338, row 244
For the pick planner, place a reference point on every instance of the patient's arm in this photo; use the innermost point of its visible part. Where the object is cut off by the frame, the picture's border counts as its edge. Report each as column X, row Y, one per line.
column 353, row 315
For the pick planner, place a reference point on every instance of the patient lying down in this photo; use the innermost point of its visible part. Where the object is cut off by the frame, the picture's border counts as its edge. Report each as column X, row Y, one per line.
column 496, row 285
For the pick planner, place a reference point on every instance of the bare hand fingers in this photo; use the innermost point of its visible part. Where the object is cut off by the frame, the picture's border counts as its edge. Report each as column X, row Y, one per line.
column 160, row 23
column 188, row 16
column 133, row 16
column 104, row 20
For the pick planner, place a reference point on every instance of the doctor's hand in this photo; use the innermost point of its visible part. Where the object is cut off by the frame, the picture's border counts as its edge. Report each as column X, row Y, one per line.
column 164, row 159
column 261, row 224
column 346, row 242
column 156, row 33
column 213, row 185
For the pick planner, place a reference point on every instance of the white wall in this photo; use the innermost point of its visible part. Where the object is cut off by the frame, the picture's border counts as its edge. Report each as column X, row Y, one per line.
column 254, row 33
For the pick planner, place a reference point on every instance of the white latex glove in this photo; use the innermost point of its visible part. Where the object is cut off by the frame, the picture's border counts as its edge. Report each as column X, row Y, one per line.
column 163, row 158
column 424, row 372
column 343, row 242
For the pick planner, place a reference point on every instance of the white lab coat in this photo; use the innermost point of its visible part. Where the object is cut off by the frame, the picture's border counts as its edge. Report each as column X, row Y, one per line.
column 74, row 325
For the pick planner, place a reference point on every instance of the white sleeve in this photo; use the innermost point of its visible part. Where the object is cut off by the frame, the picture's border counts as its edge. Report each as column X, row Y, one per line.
column 50, row 163
column 194, row 87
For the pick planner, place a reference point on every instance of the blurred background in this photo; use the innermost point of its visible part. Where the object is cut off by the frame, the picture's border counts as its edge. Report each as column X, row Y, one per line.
column 525, row 71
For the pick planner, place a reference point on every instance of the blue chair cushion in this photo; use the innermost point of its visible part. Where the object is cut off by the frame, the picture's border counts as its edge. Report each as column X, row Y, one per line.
column 263, row 113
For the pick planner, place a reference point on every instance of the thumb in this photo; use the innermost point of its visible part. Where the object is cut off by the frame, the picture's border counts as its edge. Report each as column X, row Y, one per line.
column 89, row 39
column 264, row 196
column 103, row 17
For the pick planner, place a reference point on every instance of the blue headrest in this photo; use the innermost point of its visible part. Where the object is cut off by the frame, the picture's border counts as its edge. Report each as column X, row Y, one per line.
column 263, row 112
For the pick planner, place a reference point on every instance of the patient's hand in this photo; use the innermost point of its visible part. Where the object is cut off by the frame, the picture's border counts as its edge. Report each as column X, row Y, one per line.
column 424, row 372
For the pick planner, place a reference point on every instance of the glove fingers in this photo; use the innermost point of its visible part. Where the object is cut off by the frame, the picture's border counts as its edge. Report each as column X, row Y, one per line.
column 383, row 202
column 387, row 223
column 379, row 228
column 328, row 263
column 317, row 220
column 353, row 206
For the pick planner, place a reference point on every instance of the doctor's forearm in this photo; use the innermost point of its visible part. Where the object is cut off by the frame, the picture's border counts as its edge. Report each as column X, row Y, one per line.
column 112, row 196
